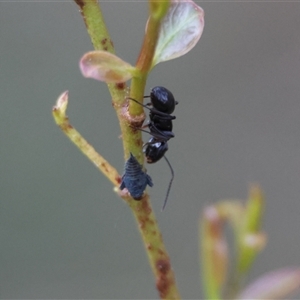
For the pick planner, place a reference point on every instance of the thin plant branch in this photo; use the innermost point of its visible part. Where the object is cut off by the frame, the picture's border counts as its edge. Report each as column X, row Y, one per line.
column 61, row 119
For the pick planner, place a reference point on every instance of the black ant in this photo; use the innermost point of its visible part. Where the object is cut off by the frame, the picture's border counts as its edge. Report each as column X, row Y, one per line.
column 160, row 125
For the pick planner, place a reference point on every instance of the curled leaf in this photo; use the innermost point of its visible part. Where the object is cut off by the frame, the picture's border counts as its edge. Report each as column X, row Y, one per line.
column 214, row 252
column 274, row 285
column 59, row 109
column 251, row 240
column 62, row 102
column 107, row 67
column 180, row 30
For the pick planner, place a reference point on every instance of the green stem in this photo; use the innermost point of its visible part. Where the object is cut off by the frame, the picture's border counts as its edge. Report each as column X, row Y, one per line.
column 155, row 248
column 131, row 118
column 144, row 61
column 95, row 25
column 61, row 119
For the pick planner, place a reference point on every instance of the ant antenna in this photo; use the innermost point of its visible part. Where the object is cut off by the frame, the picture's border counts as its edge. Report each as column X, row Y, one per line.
column 170, row 183
column 140, row 102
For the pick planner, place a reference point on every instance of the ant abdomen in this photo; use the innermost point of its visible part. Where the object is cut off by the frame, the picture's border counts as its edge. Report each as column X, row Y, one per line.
column 155, row 150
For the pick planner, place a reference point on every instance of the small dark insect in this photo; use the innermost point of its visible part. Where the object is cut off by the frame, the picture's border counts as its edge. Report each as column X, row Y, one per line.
column 135, row 179
column 160, row 125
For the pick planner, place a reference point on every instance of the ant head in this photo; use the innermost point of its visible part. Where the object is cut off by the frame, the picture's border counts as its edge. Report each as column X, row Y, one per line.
column 162, row 99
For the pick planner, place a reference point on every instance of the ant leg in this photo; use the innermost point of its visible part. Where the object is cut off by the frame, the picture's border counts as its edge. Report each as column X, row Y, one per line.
column 163, row 115
column 140, row 128
column 149, row 103
column 160, row 135
column 170, row 183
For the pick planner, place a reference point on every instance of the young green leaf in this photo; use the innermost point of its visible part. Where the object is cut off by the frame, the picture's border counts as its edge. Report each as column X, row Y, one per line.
column 107, row 67
column 180, row 30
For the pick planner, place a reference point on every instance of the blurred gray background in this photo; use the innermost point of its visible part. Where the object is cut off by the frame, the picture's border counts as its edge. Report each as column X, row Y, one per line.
column 64, row 233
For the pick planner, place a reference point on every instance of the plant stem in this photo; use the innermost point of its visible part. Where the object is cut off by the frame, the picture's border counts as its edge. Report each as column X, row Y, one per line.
column 155, row 248
column 61, row 119
column 94, row 22
column 144, row 61
column 131, row 118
